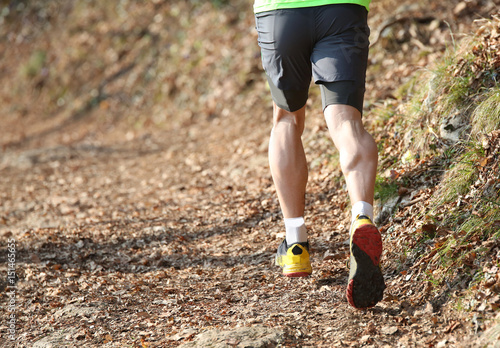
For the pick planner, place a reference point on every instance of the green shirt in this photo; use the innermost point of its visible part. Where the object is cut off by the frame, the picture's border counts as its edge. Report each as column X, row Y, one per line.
column 268, row 5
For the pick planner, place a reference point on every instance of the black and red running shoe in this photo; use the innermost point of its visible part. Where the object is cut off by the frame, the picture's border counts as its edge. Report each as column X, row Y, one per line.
column 366, row 282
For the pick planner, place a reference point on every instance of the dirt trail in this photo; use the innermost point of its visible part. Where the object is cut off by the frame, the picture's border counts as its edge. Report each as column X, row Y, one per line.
column 154, row 240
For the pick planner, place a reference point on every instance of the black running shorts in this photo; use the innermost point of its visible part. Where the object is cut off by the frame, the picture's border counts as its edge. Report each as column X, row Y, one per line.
column 329, row 43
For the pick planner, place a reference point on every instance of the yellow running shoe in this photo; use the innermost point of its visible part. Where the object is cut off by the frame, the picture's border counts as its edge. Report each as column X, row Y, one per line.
column 294, row 259
column 366, row 282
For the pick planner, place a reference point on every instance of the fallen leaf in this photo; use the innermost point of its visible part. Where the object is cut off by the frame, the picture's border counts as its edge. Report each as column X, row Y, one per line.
column 389, row 330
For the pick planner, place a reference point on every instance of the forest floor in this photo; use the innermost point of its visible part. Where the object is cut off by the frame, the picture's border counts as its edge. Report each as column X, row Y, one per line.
column 150, row 236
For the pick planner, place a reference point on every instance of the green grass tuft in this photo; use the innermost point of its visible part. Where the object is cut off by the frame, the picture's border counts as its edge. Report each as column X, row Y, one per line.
column 459, row 177
column 385, row 189
column 486, row 116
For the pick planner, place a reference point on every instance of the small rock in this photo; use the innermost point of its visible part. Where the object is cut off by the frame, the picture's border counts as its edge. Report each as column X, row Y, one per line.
column 389, row 330
column 255, row 337
column 452, row 127
column 364, row 339
column 442, row 343
column 386, row 210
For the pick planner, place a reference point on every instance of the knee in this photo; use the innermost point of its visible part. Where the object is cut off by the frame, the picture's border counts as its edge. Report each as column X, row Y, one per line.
column 293, row 118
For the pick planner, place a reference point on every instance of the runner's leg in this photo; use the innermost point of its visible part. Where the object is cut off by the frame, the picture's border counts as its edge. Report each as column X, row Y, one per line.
column 357, row 150
column 287, row 160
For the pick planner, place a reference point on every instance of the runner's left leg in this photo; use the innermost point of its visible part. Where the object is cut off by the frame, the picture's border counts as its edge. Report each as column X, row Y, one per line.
column 287, row 160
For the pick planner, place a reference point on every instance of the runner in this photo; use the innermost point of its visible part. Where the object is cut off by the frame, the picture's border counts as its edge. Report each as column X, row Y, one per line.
column 328, row 41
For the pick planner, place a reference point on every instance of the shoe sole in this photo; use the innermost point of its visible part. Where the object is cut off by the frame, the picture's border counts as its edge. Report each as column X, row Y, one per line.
column 366, row 287
column 296, row 274
column 294, row 271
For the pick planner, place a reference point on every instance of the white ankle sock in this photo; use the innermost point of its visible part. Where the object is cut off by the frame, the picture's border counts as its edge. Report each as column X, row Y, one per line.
column 296, row 231
column 361, row 208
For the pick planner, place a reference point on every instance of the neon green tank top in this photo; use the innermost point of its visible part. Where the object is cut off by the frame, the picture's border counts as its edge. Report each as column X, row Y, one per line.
column 268, row 5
